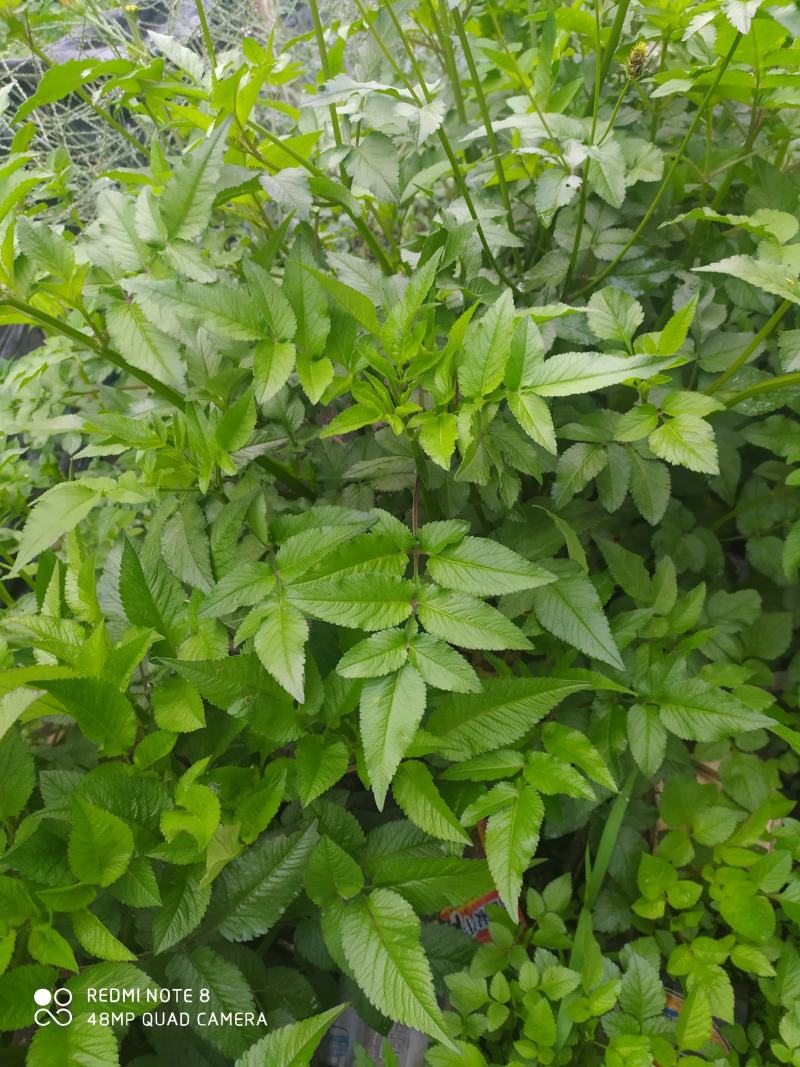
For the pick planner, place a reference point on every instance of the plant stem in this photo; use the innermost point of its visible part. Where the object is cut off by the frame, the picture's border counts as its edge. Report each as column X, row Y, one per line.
column 741, row 359
column 324, row 61
column 576, row 242
column 443, row 139
column 46, row 321
column 207, row 40
column 723, row 66
column 442, row 27
column 615, row 112
column 487, row 123
column 782, row 381
column 613, row 40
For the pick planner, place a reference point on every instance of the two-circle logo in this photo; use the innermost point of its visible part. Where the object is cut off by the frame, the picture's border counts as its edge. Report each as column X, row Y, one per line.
column 61, row 1015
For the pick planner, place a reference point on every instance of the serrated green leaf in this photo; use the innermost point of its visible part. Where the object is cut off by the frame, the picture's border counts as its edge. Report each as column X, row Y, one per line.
column 381, row 942
column 512, row 835
column 485, row 568
column 466, row 621
column 280, row 645
column 391, row 710
column 416, row 794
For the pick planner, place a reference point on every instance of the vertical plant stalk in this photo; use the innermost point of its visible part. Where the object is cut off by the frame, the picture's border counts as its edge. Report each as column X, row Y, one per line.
column 613, row 40
column 743, row 357
column 524, row 82
column 598, row 79
column 443, row 138
column 441, row 25
column 208, row 41
column 487, row 124
column 324, row 61
column 723, row 66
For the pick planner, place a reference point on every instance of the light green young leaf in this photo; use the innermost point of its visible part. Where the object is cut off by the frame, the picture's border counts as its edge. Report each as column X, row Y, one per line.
column 441, row 666
column 650, row 487
column 319, row 766
column 416, row 794
column 54, row 513
column 280, row 645
column 401, row 315
column 102, row 712
column 391, row 710
column 607, row 172
column 177, row 707
column 694, row 1026
column 292, row 1045
column 381, row 940
column 242, row 587
column 379, row 654
column 332, row 873
column 438, row 435
column 145, row 346
column 487, row 346
column 373, row 165
column 485, row 568
column 96, row 939
column 687, row 441
column 571, row 610
column 362, row 601
column 647, row 737
column 572, row 746
column 184, row 546
column 273, row 362
column 576, row 468
column 506, row 709
column 570, row 373
column 254, row 890
column 614, row 315
column 81, row 1044
column 694, row 710
column 534, row 417
column 186, row 201
column 512, row 835
column 17, row 770
column 467, row 622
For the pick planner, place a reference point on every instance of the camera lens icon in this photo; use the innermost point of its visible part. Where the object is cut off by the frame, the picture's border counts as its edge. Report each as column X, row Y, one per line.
column 61, row 1016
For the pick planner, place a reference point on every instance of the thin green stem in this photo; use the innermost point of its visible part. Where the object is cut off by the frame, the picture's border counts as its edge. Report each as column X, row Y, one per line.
column 615, row 112
column 81, row 93
column 594, row 883
column 771, row 385
column 576, row 242
column 441, row 24
column 525, row 82
column 324, row 61
column 487, row 124
column 613, row 40
column 741, row 359
column 207, row 40
column 723, row 66
column 48, row 322
column 359, row 223
column 442, row 136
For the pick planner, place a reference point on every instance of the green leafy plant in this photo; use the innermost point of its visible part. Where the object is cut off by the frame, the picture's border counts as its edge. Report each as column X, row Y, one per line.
column 400, row 512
